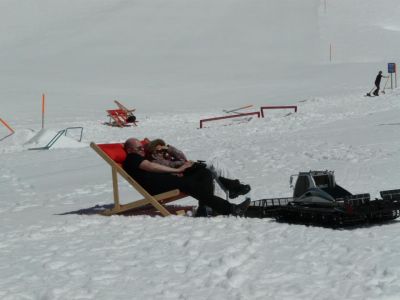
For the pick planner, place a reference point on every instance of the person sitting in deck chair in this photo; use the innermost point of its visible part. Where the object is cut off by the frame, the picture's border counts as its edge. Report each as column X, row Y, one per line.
column 130, row 118
column 158, row 151
column 157, row 178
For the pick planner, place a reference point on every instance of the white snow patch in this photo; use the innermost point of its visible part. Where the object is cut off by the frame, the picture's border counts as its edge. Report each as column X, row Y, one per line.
column 177, row 62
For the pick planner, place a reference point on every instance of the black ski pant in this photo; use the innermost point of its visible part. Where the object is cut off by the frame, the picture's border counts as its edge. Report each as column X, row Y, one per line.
column 376, row 92
column 199, row 184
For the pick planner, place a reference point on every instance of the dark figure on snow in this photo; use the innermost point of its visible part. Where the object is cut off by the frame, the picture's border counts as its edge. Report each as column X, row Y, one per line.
column 378, row 82
column 156, row 179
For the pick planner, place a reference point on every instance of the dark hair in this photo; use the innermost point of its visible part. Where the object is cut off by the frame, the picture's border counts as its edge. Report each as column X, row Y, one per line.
column 127, row 144
column 153, row 144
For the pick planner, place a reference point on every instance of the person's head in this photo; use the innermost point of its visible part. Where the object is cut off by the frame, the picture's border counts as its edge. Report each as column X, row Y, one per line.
column 133, row 145
column 380, row 72
column 155, row 146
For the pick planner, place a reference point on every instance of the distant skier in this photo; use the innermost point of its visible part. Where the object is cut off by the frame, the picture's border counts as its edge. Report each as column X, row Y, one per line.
column 378, row 82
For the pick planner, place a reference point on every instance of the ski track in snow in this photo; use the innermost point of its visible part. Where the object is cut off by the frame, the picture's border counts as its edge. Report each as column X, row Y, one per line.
column 20, row 195
column 196, row 266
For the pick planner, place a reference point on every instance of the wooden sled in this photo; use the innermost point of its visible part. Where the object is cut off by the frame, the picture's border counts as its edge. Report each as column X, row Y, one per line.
column 114, row 155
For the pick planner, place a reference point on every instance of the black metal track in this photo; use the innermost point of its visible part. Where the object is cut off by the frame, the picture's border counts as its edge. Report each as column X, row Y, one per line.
column 357, row 209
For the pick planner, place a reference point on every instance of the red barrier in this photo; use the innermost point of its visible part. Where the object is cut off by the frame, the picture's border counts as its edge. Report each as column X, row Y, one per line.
column 277, row 107
column 229, row 117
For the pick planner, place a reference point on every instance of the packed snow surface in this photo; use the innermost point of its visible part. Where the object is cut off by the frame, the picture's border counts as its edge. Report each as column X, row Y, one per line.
column 177, row 62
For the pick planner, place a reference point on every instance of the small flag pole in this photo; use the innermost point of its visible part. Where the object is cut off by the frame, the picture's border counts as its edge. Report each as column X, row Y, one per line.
column 43, row 109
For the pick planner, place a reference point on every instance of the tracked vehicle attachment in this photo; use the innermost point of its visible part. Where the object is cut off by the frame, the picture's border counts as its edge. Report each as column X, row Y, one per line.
column 318, row 199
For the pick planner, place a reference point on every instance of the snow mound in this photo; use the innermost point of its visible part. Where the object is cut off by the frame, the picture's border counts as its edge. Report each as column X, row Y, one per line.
column 45, row 137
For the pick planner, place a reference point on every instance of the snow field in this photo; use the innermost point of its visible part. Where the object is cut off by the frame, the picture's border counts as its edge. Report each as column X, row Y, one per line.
column 86, row 256
column 176, row 63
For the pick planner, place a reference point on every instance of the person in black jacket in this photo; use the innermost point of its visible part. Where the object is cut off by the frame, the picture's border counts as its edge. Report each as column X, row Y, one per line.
column 156, row 179
column 159, row 152
column 378, row 82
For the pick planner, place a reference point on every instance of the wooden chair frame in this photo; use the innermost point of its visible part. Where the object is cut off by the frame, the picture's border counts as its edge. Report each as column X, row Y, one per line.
column 156, row 201
column 118, row 117
column 123, row 107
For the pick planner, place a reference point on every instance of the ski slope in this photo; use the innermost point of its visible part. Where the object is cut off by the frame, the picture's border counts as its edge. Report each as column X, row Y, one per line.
column 177, row 63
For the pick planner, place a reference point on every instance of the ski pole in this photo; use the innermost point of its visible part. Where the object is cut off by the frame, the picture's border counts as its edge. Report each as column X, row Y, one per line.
column 383, row 91
column 369, row 94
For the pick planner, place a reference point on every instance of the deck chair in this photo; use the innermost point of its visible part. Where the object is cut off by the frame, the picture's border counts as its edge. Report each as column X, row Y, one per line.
column 114, row 155
column 119, row 117
column 130, row 117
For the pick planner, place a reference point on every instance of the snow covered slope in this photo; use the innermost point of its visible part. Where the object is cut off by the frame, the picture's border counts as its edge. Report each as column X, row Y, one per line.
column 197, row 54
column 177, row 62
column 48, row 251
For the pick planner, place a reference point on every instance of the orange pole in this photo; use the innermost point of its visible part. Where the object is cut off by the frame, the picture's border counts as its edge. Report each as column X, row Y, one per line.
column 5, row 124
column 43, row 100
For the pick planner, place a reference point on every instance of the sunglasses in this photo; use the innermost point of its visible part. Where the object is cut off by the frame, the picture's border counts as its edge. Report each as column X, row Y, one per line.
column 160, row 150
